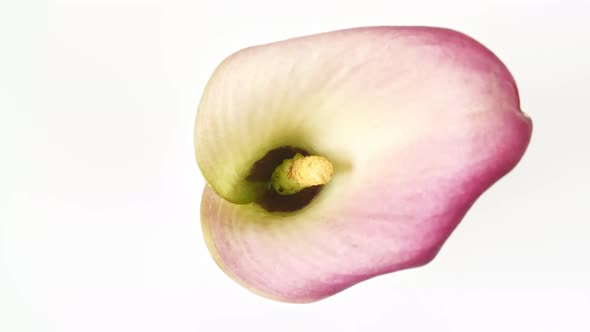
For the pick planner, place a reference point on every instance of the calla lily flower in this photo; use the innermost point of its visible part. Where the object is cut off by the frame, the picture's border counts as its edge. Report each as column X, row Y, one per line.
column 337, row 157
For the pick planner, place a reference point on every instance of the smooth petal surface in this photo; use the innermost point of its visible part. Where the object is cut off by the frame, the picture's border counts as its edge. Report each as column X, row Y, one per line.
column 417, row 121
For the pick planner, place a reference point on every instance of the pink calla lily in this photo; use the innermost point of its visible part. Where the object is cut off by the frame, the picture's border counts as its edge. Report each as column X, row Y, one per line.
column 418, row 122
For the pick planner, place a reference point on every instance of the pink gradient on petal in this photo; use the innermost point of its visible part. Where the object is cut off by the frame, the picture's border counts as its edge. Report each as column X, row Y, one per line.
column 393, row 225
column 405, row 199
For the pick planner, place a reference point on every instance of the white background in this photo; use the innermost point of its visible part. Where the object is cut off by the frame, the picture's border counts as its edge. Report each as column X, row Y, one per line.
column 99, row 190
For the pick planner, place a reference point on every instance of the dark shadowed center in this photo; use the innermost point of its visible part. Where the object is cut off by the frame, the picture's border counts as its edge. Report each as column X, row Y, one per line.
column 262, row 171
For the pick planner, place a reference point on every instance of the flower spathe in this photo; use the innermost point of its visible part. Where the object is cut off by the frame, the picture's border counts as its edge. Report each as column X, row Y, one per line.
column 418, row 122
